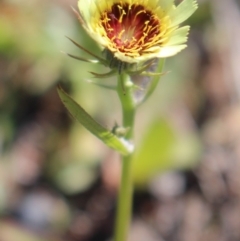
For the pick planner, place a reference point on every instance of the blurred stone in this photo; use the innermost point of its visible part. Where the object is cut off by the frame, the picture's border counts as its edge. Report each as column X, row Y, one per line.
column 168, row 217
column 82, row 226
column 141, row 231
column 167, row 185
column 43, row 211
column 196, row 216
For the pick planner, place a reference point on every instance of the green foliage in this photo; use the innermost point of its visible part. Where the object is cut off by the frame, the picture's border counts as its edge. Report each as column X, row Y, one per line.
column 162, row 149
column 111, row 140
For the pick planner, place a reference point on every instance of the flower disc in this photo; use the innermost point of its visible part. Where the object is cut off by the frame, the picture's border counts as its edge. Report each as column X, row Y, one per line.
column 131, row 29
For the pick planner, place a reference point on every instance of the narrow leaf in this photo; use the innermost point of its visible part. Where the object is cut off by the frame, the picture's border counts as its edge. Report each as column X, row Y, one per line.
column 104, row 75
column 103, row 61
column 111, row 140
column 92, row 61
column 155, row 79
column 109, row 87
column 147, row 80
column 141, row 69
column 152, row 74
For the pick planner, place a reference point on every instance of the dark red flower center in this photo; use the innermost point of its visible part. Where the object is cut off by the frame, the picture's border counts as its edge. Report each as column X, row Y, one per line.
column 131, row 28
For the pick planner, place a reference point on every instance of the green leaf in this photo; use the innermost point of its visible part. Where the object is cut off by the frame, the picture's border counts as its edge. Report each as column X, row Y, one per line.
column 119, row 144
column 108, row 87
column 155, row 79
column 163, row 148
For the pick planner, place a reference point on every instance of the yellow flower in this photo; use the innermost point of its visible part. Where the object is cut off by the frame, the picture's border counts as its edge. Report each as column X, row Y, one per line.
column 135, row 31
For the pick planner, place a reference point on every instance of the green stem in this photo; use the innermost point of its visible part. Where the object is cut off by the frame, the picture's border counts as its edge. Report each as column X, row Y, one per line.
column 124, row 206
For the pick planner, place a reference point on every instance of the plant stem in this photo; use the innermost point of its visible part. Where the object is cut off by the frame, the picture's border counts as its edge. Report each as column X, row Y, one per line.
column 124, row 206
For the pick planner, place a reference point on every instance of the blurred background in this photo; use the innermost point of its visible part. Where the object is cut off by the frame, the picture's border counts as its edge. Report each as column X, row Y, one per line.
column 59, row 182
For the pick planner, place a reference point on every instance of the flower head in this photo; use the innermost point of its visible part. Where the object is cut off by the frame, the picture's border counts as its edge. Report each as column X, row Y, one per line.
column 137, row 30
